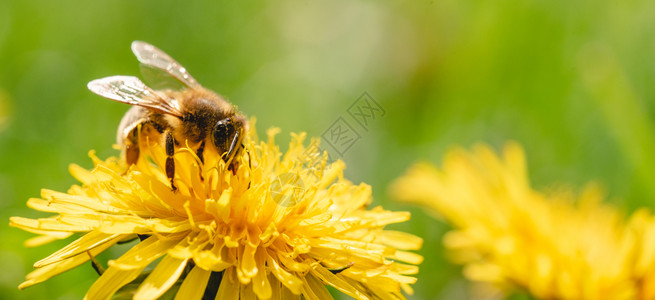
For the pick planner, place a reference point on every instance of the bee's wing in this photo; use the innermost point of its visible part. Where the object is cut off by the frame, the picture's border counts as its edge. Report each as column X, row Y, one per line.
column 130, row 90
column 153, row 57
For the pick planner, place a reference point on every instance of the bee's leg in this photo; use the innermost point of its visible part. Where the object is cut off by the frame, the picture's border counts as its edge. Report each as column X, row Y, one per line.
column 131, row 153
column 200, row 154
column 131, row 144
column 234, row 148
column 170, row 162
column 132, row 148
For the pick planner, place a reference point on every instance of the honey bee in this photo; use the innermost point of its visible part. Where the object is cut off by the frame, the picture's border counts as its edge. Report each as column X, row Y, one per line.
column 193, row 116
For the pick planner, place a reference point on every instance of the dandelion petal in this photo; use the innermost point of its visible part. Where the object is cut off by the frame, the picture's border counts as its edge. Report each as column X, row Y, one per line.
column 161, row 279
column 194, row 285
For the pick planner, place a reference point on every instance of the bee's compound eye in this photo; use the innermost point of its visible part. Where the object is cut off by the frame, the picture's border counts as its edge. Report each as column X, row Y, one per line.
column 223, row 133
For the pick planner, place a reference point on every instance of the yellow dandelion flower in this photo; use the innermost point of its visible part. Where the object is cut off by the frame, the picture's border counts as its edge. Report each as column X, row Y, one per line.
column 555, row 245
column 279, row 226
column 642, row 228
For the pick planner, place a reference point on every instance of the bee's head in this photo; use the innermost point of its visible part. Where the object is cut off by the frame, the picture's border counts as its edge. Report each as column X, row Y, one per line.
column 227, row 135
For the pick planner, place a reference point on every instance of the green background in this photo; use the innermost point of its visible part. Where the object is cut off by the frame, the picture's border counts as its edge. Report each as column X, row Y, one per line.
column 573, row 81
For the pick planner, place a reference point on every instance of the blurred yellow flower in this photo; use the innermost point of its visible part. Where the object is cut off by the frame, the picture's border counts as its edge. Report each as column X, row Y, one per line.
column 555, row 245
column 281, row 226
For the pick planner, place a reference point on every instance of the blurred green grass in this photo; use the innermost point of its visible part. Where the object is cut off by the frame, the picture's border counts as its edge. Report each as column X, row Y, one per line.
column 570, row 80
